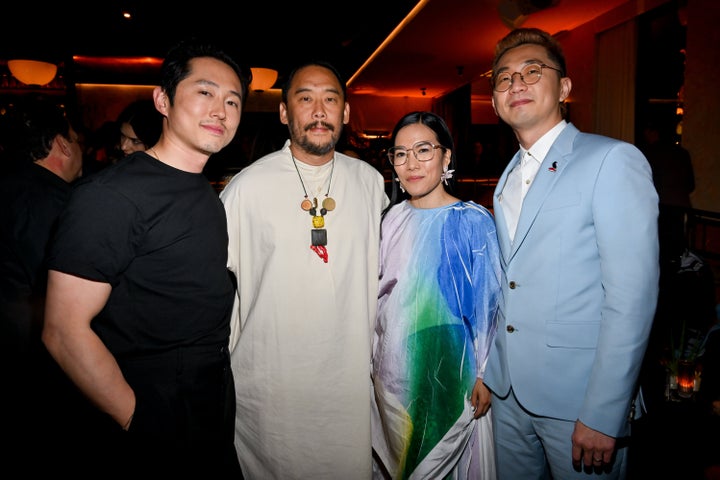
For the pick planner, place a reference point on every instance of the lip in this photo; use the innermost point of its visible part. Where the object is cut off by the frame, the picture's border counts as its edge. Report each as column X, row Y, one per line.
column 214, row 129
column 520, row 102
column 414, row 178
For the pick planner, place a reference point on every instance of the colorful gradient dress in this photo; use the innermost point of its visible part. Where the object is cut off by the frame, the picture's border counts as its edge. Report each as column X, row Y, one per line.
column 437, row 306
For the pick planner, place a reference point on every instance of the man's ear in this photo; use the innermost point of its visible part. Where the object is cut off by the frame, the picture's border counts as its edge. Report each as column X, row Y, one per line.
column 565, row 88
column 161, row 101
column 62, row 144
column 282, row 111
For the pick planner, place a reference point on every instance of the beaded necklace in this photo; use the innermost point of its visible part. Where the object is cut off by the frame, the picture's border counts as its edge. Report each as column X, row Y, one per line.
column 318, row 234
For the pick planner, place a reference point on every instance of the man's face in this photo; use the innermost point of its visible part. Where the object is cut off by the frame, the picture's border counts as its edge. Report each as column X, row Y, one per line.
column 316, row 110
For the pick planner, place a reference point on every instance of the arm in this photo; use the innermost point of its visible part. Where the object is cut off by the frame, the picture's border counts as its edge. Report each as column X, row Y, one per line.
column 72, row 303
column 625, row 216
column 486, row 276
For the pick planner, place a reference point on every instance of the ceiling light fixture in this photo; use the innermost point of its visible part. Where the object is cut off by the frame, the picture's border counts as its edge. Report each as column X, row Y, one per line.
column 263, row 79
column 32, row 72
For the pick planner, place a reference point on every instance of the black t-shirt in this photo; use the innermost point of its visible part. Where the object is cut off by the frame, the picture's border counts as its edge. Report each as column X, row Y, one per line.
column 158, row 236
column 30, row 202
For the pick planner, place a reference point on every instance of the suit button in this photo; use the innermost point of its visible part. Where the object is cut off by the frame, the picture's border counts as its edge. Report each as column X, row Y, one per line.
column 510, row 329
column 512, row 285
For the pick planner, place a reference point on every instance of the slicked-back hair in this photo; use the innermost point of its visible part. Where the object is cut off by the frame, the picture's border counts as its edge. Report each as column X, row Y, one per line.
column 317, row 63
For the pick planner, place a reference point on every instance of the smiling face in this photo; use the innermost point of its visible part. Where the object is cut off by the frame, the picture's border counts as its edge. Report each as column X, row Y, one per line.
column 421, row 180
column 533, row 109
column 206, row 110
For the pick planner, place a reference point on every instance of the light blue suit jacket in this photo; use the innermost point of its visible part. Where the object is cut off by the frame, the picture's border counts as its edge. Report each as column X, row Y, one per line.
column 580, row 283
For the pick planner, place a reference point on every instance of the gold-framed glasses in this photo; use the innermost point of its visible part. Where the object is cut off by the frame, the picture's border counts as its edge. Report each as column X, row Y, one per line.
column 423, row 151
column 530, row 75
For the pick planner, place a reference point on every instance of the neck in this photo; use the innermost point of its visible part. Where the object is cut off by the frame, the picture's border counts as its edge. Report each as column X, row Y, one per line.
column 187, row 161
column 435, row 199
column 310, row 159
column 55, row 165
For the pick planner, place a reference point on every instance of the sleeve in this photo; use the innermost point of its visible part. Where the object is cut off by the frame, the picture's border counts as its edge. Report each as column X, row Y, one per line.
column 486, row 282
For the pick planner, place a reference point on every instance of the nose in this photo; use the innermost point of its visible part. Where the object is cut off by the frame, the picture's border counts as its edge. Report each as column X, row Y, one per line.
column 412, row 161
column 319, row 110
column 218, row 109
column 519, row 83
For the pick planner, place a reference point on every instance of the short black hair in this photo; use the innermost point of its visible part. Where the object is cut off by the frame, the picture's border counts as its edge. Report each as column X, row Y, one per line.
column 176, row 65
column 311, row 63
column 30, row 126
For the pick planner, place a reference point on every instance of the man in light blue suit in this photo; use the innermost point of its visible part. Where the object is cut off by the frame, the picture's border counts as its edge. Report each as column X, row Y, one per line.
column 576, row 219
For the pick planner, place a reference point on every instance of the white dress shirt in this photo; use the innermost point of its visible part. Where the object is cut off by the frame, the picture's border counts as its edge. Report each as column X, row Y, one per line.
column 521, row 177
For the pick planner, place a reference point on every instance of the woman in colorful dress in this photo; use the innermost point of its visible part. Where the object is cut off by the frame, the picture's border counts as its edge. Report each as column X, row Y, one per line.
column 437, row 305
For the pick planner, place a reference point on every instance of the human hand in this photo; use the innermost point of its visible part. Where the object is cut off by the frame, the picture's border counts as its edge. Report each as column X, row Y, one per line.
column 480, row 398
column 590, row 447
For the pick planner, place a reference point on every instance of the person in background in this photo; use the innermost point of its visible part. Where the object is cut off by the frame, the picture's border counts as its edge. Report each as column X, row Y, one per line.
column 674, row 180
column 139, row 296
column 576, row 217
column 43, row 144
column 140, row 126
column 304, row 227
column 437, row 307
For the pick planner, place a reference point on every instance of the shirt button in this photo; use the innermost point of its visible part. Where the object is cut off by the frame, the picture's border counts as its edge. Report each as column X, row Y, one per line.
column 510, row 329
column 512, row 285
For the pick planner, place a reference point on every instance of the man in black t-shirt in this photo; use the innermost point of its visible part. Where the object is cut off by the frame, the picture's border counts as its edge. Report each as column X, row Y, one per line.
column 139, row 295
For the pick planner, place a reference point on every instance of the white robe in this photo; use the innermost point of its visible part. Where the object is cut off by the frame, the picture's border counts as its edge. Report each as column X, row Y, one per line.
column 302, row 328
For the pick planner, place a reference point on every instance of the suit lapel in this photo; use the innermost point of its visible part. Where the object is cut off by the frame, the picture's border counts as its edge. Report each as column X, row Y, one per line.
column 550, row 171
column 500, row 220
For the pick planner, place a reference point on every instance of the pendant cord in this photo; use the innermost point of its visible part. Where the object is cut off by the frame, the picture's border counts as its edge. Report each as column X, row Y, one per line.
column 332, row 170
column 300, row 176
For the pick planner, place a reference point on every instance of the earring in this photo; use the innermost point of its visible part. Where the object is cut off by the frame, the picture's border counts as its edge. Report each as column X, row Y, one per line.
column 400, row 184
column 447, row 174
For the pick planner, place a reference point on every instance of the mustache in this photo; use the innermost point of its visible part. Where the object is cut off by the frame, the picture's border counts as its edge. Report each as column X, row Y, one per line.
column 320, row 124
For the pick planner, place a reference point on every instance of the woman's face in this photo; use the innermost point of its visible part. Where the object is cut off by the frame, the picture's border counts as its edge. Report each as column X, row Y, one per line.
column 421, row 178
column 129, row 142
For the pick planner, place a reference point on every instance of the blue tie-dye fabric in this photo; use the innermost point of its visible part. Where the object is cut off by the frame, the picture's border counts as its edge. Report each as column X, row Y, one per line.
column 438, row 298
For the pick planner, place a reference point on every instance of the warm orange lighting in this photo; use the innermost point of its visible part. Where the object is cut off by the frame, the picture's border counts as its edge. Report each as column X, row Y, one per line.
column 263, row 79
column 117, row 62
column 32, row 72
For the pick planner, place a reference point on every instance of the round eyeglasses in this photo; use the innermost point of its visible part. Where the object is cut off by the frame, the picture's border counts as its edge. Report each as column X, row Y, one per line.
column 423, row 151
column 530, row 74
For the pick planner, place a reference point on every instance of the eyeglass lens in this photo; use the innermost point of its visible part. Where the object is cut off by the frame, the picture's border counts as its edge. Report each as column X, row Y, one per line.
column 423, row 151
column 529, row 75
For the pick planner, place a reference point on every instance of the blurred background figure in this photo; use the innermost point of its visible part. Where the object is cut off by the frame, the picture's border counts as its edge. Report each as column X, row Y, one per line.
column 140, row 126
column 136, row 129
column 42, row 157
column 674, row 181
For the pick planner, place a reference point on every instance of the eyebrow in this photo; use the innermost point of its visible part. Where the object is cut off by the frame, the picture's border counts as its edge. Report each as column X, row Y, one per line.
column 203, row 81
column 527, row 62
column 325, row 90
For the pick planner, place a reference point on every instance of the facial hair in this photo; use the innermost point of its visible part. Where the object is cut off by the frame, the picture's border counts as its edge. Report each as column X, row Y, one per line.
column 301, row 139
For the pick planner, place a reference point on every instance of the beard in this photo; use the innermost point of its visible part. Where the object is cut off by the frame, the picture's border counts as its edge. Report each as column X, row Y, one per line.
column 301, row 139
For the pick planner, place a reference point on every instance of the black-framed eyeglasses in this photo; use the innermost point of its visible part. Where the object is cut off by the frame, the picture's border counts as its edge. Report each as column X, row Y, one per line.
column 423, row 151
column 530, row 74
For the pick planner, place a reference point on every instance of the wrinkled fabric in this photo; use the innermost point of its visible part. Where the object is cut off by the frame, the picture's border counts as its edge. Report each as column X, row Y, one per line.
column 302, row 329
column 437, row 308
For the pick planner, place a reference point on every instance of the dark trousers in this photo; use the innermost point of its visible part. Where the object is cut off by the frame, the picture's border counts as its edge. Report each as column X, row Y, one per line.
column 183, row 425
column 185, row 413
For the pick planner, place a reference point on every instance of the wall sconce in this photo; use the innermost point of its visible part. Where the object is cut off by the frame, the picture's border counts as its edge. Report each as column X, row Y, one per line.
column 263, row 79
column 32, row 72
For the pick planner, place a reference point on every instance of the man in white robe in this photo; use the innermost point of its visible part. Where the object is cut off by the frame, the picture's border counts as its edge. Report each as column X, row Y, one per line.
column 304, row 227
